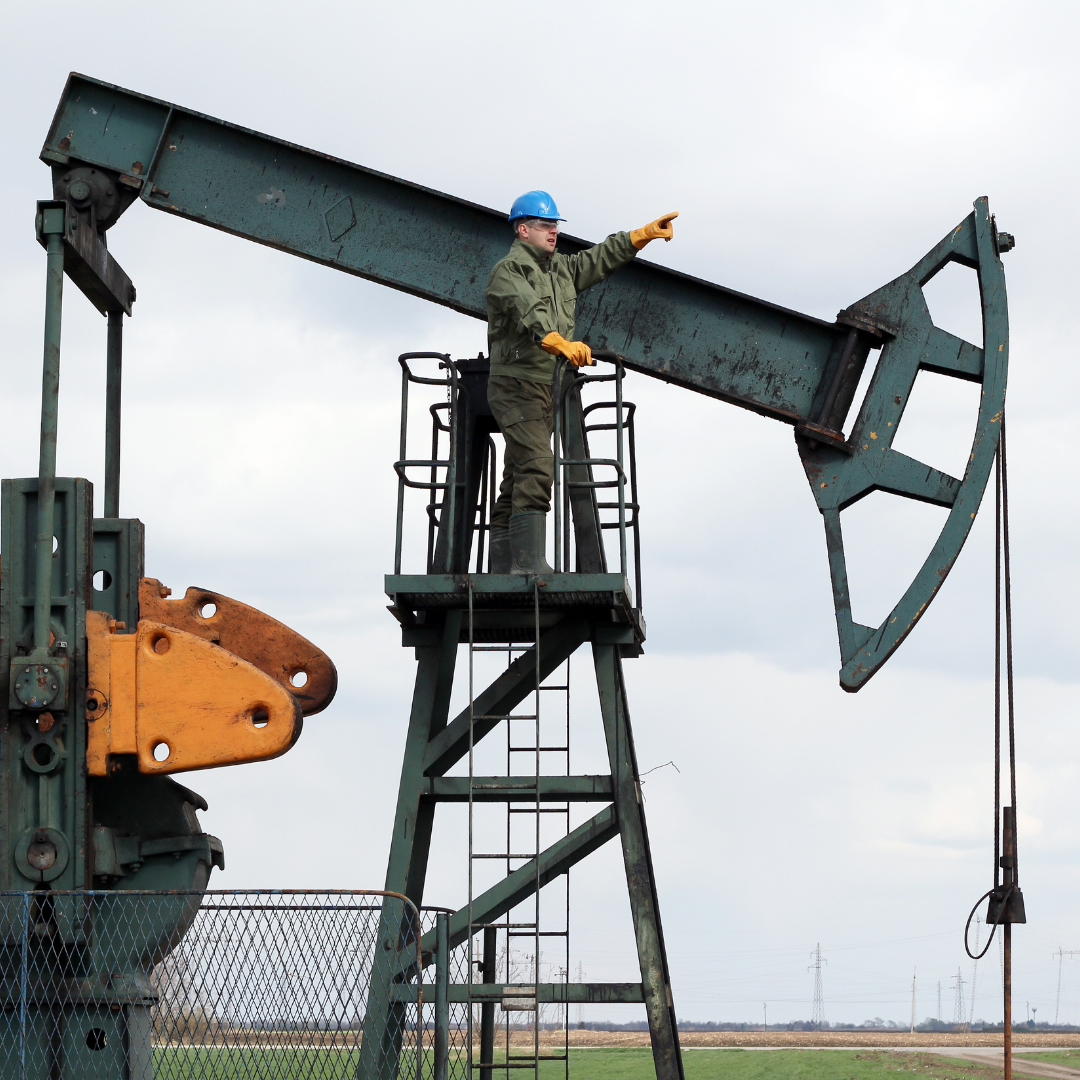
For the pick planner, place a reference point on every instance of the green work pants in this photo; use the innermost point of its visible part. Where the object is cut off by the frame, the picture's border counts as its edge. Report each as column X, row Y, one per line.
column 522, row 409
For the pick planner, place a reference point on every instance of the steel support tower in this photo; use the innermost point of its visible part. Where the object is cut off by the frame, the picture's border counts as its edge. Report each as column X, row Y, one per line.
column 543, row 620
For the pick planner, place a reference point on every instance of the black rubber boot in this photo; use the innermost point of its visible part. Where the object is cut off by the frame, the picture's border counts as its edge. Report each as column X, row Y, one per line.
column 500, row 559
column 528, row 541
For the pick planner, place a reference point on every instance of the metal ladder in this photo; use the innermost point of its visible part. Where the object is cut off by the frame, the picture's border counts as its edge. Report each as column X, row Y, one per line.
column 528, row 737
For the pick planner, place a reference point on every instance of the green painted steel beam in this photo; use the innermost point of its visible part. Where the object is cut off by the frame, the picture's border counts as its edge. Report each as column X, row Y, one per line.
column 522, row 883
column 520, row 789
column 119, row 544
column 430, row 706
column 452, row 590
column 451, row 744
column 680, row 328
column 43, row 781
column 546, row 993
column 637, row 859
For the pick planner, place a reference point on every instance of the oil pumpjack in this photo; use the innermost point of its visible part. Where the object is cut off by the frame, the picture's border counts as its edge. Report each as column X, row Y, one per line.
column 110, row 690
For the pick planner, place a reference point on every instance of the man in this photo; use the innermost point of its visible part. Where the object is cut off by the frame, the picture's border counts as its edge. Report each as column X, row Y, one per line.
column 530, row 306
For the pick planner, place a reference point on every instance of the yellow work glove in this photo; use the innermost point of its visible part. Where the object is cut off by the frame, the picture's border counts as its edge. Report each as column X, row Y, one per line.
column 577, row 352
column 660, row 229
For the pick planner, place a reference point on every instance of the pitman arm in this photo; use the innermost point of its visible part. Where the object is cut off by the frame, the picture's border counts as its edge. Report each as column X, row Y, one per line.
column 779, row 363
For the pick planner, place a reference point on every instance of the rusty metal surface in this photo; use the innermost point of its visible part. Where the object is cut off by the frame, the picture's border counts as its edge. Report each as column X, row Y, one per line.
column 89, row 264
column 271, row 646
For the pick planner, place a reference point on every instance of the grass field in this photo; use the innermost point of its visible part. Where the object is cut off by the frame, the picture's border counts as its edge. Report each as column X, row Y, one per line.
column 1058, row 1057
column 610, row 1064
column 735, row 1064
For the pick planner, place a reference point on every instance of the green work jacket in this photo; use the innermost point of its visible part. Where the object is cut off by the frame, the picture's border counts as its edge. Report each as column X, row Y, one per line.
column 530, row 294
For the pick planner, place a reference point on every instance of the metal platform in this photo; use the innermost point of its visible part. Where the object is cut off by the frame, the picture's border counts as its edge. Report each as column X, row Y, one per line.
column 504, row 605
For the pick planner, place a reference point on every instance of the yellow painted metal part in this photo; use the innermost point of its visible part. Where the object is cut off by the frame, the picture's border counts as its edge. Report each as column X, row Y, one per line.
column 179, row 702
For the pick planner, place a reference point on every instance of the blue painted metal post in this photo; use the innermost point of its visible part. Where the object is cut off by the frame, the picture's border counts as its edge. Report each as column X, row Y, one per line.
column 442, row 996
column 52, row 227
column 114, row 361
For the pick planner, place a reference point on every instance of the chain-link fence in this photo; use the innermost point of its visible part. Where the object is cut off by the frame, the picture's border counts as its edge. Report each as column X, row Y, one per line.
column 457, row 1016
column 214, row 985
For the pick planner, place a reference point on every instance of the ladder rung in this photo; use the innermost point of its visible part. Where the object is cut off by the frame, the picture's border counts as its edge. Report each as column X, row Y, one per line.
column 502, row 925
column 554, row 687
column 538, row 810
column 541, row 933
column 503, row 855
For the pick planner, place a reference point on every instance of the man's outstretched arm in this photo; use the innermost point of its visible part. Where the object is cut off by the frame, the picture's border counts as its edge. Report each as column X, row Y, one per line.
column 591, row 266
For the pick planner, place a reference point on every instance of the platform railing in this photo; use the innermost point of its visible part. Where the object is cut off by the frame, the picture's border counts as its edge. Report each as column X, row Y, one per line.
column 583, row 473
column 435, row 466
column 623, row 476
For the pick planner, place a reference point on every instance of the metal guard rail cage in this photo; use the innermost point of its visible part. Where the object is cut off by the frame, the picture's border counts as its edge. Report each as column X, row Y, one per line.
column 434, row 463
column 625, row 446
column 440, row 479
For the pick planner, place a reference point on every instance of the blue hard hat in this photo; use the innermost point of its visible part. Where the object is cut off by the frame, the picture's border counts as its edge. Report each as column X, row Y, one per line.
column 537, row 204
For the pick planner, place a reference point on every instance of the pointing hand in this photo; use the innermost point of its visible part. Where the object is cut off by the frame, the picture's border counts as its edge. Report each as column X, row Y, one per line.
column 660, row 229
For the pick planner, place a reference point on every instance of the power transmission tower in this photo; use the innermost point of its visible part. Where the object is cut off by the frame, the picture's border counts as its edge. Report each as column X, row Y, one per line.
column 974, row 969
column 581, row 1005
column 914, row 971
column 939, row 1020
column 818, row 1018
column 958, row 1001
column 1061, row 954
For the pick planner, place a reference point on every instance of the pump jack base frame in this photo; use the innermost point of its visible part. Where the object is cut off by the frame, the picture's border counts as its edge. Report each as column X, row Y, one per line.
column 574, row 610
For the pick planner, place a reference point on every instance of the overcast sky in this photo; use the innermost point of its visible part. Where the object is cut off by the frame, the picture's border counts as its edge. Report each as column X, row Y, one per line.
column 815, row 151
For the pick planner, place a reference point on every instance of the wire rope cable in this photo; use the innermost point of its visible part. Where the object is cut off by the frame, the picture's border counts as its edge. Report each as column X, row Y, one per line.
column 1002, row 601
